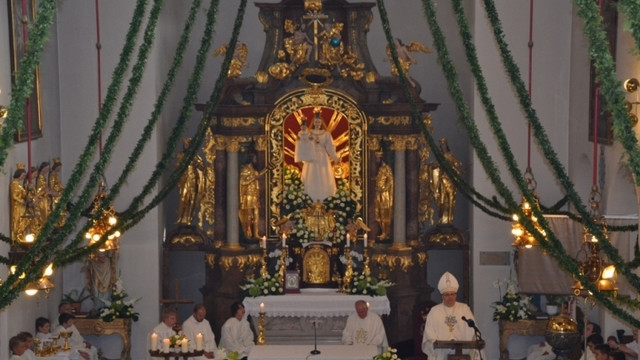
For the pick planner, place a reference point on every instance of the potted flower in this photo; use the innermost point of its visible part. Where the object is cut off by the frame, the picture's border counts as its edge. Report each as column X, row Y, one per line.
column 553, row 303
column 75, row 298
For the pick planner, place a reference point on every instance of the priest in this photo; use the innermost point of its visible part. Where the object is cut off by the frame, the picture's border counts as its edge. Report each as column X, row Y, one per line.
column 197, row 329
column 364, row 328
column 445, row 322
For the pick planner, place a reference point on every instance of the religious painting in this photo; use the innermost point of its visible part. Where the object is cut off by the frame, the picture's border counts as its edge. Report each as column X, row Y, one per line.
column 602, row 125
column 21, row 16
column 325, row 124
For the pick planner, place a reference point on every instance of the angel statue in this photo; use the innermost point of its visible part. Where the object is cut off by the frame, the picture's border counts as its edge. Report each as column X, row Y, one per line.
column 238, row 61
column 405, row 58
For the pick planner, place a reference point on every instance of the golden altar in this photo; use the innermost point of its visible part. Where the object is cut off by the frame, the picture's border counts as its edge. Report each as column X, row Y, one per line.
column 121, row 327
column 521, row 327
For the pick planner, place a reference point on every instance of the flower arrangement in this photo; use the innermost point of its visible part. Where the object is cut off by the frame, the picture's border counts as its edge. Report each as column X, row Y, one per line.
column 513, row 306
column 221, row 353
column 268, row 285
column 295, row 200
column 176, row 340
column 118, row 307
column 390, row 354
column 369, row 285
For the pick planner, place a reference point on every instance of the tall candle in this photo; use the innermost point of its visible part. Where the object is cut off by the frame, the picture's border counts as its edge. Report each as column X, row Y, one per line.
column 199, row 342
column 185, row 345
column 166, row 343
column 284, row 240
column 348, row 240
column 154, row 342
column 264, row 242
column 365, row 240
column 261, row 307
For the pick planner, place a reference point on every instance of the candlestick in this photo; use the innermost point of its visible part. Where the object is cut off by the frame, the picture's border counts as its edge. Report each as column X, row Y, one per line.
column 184, row 345
column 365, row 240
column 348, row 272
column 264, row 242
column 154, row 342
column 284, row 240
column 166, row 343
column 261, row 307
column 261, row 338
column 348, row 240
column 199, row 342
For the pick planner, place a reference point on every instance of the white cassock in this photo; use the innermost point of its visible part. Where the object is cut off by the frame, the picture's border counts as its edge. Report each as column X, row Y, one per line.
column 237, row 336
column 316, row 149
column 444, row 323
column 191, row 328
column 76, row 341
column 27, row 355
column 367, row 331
column 544, row 352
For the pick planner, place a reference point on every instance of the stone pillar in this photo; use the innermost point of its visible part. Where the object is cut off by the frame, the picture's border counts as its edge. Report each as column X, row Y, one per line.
column 233, row 228
column 399, row 145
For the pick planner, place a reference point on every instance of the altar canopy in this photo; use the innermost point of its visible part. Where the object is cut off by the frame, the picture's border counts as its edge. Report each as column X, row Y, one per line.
column 302, row 352
column 314, row 303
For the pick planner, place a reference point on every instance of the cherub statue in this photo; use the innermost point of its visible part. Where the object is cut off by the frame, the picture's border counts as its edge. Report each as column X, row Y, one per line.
column 239, row 59
column 404, row 56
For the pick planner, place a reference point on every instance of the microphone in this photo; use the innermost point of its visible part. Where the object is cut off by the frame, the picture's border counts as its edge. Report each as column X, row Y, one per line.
column 315, row 350
column 472, row 324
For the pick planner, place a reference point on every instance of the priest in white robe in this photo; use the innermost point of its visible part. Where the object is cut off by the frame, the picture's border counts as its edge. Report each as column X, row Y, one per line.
column 196, row 325
column 76, row 341
column 236, row 332
column 164, row 330
column 444, row 322
column 364, row 328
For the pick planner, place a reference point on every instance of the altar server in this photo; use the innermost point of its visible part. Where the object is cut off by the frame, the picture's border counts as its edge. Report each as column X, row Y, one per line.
column 236, row 332
column 444, row 322
column 76, row 341
column 364, row 328
column 197, row 324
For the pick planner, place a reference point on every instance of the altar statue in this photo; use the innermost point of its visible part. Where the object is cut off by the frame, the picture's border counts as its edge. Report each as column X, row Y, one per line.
column 191, row 187
column 444, row 190
column 18, row 195
column 56, row 187
column 384, row 199
column 43, row 192
column 404, row 57
column 315, row 149
column 249, row 189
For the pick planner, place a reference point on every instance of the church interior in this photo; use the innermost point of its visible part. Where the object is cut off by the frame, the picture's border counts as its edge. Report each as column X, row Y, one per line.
column 299, row 155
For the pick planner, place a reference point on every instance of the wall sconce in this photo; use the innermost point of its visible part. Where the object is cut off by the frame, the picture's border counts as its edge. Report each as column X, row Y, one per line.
column 631, row 86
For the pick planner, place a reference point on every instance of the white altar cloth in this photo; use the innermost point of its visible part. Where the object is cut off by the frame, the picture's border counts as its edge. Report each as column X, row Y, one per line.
column 302, row 352
column 316, row 303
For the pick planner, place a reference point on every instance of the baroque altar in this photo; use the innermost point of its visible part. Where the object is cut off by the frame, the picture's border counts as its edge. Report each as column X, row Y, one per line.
column 315, row 158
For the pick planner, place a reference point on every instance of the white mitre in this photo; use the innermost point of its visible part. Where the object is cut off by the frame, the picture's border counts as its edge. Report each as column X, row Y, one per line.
column 448, row 283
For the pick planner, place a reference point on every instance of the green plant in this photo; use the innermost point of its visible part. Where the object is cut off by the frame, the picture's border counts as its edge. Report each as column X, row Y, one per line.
column 269, row 285
column 390, row 354
column 554, row 299
column 369, row 285
column 75, row 296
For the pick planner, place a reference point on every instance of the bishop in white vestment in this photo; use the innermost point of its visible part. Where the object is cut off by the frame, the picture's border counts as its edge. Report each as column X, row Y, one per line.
column 444, row 322
column 364, row 328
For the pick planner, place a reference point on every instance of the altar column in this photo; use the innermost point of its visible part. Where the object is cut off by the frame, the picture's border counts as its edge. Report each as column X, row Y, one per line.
column 399, row 145
column 233, row 234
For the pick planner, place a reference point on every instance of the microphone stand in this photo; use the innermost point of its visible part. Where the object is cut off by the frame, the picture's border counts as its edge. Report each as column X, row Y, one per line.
column 315, row 350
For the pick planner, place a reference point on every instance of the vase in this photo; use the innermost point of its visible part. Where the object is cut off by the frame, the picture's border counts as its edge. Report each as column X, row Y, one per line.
column 552, row 309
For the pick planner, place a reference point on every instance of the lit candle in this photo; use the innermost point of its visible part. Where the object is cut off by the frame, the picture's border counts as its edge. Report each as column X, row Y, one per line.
column 264, row 242
column 365, row 240
column 284, row 240
column 199, row 342
column 348, row 240
column 185, row 345
column 165, row 345
column 154, row 342
column 262, row 307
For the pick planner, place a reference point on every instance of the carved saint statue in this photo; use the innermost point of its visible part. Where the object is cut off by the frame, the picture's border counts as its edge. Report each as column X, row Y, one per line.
column 239, row 59
column 444, row 191
column 315, row 149
column 18, row 195
column 404, row 57
column 191, row 187
column 43, row 192
column 56, row 187
column 384, row 199
column 249, row 189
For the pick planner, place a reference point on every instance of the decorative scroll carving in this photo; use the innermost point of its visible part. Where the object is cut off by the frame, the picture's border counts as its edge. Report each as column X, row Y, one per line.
column 240, row 261
column 391, row 261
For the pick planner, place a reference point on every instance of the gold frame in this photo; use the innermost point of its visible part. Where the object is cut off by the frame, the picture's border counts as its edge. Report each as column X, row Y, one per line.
column 18, row 20
column 292, row 103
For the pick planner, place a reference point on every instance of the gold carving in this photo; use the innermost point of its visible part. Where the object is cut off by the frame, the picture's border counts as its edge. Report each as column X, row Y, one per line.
column 384, row 200
column 206, row 218
column 444, row 190
column 239, row 261
column 186, row 239
column 425, row 188
column 234, row 143
column 238, row 61
column 374, row 142
column 316, row 265
column 249, row 189
column 220, row 142
column 319, row 220
column 423, row 257
column 403, row 142
column 404, row 57
column 260, row 142
column 444, row 239
column 262, row 77
column 371, row 77
column 392, row 120
column 239, row 121
column 313, row 5
column 210, row 260
column 391, row 261
column 191, row 186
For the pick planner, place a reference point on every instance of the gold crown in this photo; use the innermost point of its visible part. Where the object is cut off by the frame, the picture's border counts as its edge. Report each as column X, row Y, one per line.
column 20, row 166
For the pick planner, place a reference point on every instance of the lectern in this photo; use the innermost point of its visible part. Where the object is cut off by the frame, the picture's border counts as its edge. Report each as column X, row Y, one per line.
column 458, row 346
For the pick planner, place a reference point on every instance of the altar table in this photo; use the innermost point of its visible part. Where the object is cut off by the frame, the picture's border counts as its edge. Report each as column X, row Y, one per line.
column 121, row 327
column 313, row 315
column 521, row 327
column 60, row 355
column 302, row 352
